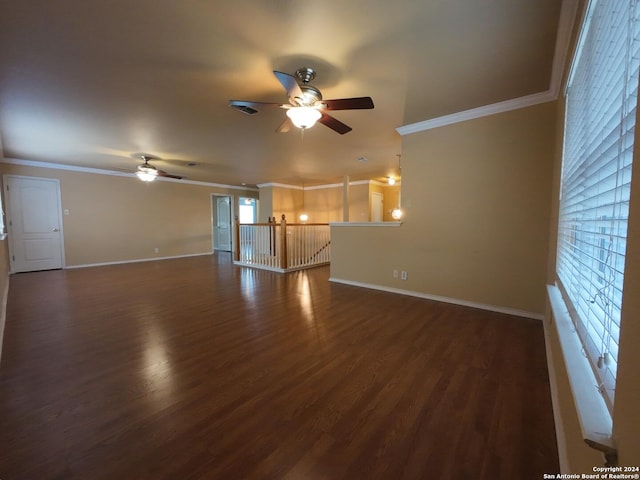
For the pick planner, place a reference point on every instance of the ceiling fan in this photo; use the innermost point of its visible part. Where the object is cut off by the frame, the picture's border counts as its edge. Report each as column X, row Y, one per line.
column 306, row 106
column 148, row 173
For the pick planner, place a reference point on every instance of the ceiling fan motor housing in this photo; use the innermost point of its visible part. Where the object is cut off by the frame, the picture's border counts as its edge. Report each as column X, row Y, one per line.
column 310, row 95
column 306, row 74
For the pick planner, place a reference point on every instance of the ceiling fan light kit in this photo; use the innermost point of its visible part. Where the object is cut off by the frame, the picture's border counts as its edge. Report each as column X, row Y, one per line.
column 304, row 117
column 148, row 173
column 306, row 106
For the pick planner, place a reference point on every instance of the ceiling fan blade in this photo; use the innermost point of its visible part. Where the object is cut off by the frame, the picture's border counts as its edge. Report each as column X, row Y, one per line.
column 289, row 83
column 358, row 103
column 334, row 124
column 285, row 126
column 244, row 103
column 251, row 108
column 162, row 173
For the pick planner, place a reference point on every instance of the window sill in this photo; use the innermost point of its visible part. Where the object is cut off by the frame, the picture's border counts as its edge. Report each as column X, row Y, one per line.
column 594, row 417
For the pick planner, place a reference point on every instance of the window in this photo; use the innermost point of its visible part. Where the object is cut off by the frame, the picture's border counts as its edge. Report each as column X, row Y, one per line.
column 248, row 210
column 600, row 117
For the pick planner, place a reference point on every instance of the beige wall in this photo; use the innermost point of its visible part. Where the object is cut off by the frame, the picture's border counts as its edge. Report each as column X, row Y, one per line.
column 265, row 209
column 390, row 199
column 288, row 202
column 324, row 204
column 119, row 218
column 476, row 197
column 359, row 207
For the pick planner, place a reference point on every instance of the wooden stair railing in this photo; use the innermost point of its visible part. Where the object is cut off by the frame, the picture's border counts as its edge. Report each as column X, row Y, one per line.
column 287, row 249
column 320, row 250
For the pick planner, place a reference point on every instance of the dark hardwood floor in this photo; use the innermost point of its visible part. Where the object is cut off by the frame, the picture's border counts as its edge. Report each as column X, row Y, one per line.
column 196, row 369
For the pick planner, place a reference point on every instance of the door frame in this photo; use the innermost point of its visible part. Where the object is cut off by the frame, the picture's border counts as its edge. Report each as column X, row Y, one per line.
column 375, row 198
column 214, row 219
column 9, row 220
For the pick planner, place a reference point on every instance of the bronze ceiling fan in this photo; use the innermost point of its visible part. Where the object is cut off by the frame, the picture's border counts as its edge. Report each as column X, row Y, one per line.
column 148, row 173
column 306, row 106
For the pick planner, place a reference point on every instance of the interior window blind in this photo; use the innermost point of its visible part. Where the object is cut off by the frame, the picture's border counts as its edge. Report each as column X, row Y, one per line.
column 595, row 183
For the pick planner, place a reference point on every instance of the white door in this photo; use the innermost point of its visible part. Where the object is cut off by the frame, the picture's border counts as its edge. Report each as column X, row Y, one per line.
column 376, row 207
column 222, row 234
column 34, row 224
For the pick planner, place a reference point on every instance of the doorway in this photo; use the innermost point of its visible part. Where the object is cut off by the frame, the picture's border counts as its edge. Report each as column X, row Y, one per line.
column 34, row 223
column 222, row 213
column 376, row 206
column 248, row 210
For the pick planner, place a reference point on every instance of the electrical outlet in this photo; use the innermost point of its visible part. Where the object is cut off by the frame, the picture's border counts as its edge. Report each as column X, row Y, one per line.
column 156, row 250
column 403, row 275
column 395, row 274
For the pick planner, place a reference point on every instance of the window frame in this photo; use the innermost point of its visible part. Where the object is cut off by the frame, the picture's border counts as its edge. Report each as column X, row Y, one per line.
column 595, row 245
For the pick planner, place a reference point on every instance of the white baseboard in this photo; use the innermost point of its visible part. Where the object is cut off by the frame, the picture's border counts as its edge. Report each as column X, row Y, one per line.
column 438, row 298
column 103, row 264
column 259, row 266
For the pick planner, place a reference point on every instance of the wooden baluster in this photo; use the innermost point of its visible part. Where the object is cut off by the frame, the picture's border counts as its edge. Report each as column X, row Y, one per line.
column 236, row 253
column 283, row 244
column 272, row 236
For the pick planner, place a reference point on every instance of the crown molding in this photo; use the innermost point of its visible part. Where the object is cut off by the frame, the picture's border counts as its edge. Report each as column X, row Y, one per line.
column 501, row 107
column 359, row 182
column 61, row 166
column 566, row 21
column 328, row 185
column 386, row 184
column 279, row 185
column 99, row 171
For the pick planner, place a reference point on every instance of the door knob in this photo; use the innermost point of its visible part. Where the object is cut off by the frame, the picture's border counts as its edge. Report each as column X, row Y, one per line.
column 54, row 229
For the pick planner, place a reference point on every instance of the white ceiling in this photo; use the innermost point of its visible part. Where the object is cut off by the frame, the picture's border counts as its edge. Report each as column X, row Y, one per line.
column 90, row 83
